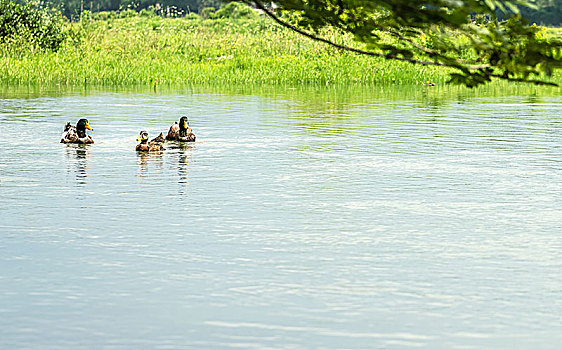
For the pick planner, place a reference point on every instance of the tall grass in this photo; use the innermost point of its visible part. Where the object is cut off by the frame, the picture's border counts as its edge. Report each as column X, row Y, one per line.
column 152, row 50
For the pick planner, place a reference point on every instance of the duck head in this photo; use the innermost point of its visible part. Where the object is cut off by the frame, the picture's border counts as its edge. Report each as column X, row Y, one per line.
column 143, row 137
column 184, row 124
column 81, row 127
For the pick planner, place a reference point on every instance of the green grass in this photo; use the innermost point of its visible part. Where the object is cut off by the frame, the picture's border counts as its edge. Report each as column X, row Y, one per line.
column 151, row 50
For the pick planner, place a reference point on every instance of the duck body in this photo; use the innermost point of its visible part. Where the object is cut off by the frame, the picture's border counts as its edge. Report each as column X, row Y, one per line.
column 186, row 135
column 77, row 134
column 173, row 133
column 181, row 131
column 154, row 145
column 149, row 147
column 158, row 139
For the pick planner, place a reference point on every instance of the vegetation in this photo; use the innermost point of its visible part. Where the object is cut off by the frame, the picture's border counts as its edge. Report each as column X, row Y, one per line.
column 510, row 50
column 130, row 48
column 231, row 45
column 545, row 12
column 29, row 25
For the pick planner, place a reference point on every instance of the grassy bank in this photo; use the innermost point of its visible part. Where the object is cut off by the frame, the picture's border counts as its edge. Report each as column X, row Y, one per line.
column 151, row 50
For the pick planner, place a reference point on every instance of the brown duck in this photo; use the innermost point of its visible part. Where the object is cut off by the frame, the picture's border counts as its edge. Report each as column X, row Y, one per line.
column 181, row 132
column 154, row 145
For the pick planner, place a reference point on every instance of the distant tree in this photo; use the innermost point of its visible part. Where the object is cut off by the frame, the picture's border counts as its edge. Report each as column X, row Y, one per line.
column 509, row 50
column 72, row 8
column 25, row 24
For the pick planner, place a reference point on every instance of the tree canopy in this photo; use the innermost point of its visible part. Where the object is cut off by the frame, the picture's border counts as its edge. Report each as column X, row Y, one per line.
column 510, row 50
column 544, row 12
column 24, row 23
column 71, row 8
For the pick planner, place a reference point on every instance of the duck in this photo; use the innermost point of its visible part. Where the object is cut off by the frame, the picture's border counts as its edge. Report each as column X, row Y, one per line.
column 154, row 145
column 181, row 131
column 77, row 134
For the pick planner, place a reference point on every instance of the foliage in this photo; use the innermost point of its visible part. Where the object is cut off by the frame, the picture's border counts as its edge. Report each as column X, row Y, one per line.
column 131, row 48
column 509, row 50
column 29, row 25
column 73, row 9
column 545, row 12
column 230, row 10
column 154, row 50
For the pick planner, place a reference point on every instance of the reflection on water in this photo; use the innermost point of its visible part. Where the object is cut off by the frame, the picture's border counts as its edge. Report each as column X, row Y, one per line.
column 78, row 156
column 154, row 160
column 301, row 218
column 176, row 153
column 184, row 156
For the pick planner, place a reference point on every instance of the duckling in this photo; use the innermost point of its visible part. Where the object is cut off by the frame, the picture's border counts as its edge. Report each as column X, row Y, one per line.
column 181, row 131
column 153, row 145
column 77, row 134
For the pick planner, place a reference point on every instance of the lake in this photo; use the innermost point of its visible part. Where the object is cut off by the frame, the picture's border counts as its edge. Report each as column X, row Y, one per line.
column 302, row 218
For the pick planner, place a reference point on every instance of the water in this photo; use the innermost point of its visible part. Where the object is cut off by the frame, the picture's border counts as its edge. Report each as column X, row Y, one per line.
column 301, row 219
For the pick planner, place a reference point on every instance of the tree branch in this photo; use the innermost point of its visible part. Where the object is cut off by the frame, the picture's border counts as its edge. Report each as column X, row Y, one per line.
column 522, row 80
column 433, row 53
column 260, row 6
column 484, row 70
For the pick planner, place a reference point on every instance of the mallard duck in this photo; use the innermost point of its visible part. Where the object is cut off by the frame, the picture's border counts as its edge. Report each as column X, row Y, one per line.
column 181, row 131
column 77, row 134
column 153, row 145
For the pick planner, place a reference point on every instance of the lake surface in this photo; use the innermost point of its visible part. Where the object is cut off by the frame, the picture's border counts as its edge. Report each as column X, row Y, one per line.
column 302, row 218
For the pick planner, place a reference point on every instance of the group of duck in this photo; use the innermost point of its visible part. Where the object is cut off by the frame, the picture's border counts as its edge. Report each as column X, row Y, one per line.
column 178, row 132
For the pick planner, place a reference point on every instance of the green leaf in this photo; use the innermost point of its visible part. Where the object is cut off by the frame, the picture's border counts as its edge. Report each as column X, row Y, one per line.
column 491, row 4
